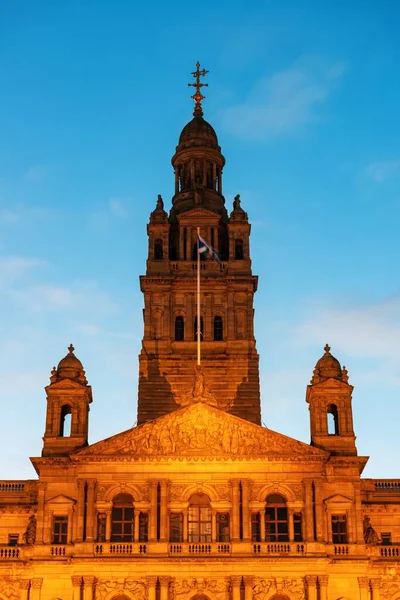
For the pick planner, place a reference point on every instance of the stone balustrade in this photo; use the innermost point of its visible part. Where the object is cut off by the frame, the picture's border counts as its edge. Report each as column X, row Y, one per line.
column 107, row 549
column 279, row 548
column 188, row 549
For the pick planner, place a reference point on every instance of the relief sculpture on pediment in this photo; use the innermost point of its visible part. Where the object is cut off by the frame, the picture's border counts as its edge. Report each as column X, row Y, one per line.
column 186, row 588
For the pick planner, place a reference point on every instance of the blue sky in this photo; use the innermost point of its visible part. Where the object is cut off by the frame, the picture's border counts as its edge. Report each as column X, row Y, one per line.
column 304, row 97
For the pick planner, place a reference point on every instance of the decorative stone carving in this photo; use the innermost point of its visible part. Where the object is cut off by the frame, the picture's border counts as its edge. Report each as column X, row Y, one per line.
column 199, row 392
column 9, row 588
column 29, row 536
column 137, row 588
column 176, row 492
column 295, row 587
column 370, row 535
column 184, row 589
column 203, row 430
column 262, row 588
column 223, row 491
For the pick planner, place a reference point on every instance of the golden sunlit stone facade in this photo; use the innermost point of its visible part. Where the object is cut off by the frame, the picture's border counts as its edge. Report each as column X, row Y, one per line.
column 199, row 501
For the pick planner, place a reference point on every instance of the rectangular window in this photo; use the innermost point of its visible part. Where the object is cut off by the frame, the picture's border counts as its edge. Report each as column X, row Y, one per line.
column 143, row 527
column 339, row 529
column 255, row 527
column 298, row 534
column 176, row 527
column 13, row 539
column 223, row 527
column 60, row 530
column 386, row 539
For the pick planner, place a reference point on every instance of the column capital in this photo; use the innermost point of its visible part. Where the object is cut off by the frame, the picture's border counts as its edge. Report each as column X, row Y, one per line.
column 76, row 580
column 89, row 581
column 248, row 580
column 36, row 583
column 153, row 483
column 311, row 580
column 151, row 580
column 164, row 579
column 24, row 584
column 323, row 580
column 236, row 580
column 376, row 583
column 245, row 482
column 363, row 583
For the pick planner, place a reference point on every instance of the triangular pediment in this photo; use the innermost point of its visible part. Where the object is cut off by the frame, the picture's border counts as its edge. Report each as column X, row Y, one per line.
column 332, row 383
column 200, row 430
column 65, row 384
column 338, row 499
column 199, row 216
column 60, row 499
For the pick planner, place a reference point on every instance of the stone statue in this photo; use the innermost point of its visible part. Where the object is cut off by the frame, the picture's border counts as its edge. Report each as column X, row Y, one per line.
column 199, row 391
column 236, row 202
column 160, row 203
column 370, row 535
column 30, row 533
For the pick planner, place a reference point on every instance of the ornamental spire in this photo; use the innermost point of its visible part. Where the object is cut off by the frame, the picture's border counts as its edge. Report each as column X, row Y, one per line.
column 198, row 96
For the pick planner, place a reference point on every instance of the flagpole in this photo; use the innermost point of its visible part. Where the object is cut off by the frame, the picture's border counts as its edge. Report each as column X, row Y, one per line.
column 198, row 300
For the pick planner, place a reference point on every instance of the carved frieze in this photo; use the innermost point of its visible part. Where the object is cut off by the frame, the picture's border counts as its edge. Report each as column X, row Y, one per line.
column 263, row 588
column 9, row 588
column 187, row 588
column 136, row 587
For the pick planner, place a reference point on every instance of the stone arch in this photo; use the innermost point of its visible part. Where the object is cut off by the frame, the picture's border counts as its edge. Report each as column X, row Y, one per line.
column 276, row 488
column 120, row 594
column 195, row 489
column 126, row 488
column 279, row 596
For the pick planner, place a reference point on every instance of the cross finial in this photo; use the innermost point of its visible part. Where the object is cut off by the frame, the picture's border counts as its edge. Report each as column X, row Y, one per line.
column 198, row 96
column 327, row 348
column 71, row 348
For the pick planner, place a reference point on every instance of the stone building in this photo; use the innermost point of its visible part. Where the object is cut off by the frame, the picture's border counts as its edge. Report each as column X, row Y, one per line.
column 199, row 501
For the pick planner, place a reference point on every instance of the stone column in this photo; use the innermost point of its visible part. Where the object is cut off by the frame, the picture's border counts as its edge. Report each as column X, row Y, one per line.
column 262, row 525
column 90, row 509
column 235, row 510
column 164, row 511
column 291, row 524
column 70, row 523
column 24, row 588
column 136, row 525
column 308, row 512
column 363, row 584
column 164, row 583
column 319, row 510
column 236, row 580
column 231, row 317
column 108, row 524
column 185, row 526
column 248, row 587
column 376, row 588
column 245, row 510
column 311, row 582
column 323, row 587
column 214, row 525
column 88, row 585
column 151, row 587
column 351, row 533
column 48, row 527
column 40, row 514
column 36, row 587
column 76, row 587
column 80, row 509
column 153, row 511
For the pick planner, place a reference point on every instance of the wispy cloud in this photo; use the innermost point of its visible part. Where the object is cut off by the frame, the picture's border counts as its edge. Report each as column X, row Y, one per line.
column 382, row 170
column 284, row 101
column 15, row 267
column 21, row 212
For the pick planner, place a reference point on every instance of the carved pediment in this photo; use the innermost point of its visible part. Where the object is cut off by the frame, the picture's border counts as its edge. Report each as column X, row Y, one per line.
column 60, row 499
column 332, row 383
column 200, row 430
column 67, row 384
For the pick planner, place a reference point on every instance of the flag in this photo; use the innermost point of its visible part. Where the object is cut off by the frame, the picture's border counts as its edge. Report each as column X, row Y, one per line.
column 204, row 248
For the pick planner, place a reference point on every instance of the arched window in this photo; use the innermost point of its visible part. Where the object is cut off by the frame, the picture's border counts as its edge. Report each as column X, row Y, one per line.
column 65, row 421
column 179, row 329
column 239, row 250
column 276, row 519
column 201, row 329
column 122, row 519
column 158, row 250
column 218, row 329
column 199, row 519
column 333, row 419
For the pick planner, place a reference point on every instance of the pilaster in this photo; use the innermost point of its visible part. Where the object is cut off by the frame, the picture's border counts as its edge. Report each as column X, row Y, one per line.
column 151, row 587
column 375, row 588
column 323, row 586
column 311, row 582
column 88, row 587
column 24, row 585
column 76, row 587
column 363, row 584
column 236, row 580
column 36, row 587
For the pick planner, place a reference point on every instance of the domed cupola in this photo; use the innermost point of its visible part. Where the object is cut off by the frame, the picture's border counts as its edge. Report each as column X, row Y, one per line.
column 198, row 162
column 69, row 367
